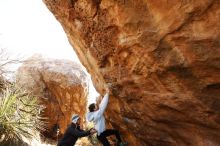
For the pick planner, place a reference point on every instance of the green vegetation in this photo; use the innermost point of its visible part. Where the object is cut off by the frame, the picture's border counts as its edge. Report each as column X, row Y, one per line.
column 92, row 138
column 19, row 115
column 19, row 110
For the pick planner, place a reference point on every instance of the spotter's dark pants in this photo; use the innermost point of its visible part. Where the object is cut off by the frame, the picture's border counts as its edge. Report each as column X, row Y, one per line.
column 103, row 136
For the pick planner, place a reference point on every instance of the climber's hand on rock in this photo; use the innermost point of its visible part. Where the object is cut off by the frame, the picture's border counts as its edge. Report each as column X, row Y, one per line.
column 108, row 87
column 107, row 90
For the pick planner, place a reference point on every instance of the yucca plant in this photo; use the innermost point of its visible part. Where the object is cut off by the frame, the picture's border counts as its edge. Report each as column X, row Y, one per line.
column 19, row 116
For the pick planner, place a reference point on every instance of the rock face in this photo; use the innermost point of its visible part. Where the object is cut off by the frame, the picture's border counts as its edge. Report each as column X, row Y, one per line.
column 162, row 58
column 60, row 84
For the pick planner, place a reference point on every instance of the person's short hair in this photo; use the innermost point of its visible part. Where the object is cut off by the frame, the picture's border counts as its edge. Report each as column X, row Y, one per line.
column 92, row 107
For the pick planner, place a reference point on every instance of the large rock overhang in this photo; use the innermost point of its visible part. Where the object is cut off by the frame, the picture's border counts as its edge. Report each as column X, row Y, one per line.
column 162, row 58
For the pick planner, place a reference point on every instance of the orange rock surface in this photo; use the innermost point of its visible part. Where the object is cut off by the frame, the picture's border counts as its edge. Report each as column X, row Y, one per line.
column 162, row 58
column 62, row 87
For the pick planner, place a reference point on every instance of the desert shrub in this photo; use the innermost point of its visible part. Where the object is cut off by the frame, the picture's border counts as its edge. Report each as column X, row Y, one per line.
column 92, row 138
column 19, row 115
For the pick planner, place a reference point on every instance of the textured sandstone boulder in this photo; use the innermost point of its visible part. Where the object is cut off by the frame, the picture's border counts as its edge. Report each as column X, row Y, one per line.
column 162, row 58
column 60, row 84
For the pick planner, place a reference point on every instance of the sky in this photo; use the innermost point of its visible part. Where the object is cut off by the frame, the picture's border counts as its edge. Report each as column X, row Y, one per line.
column 27, row 27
